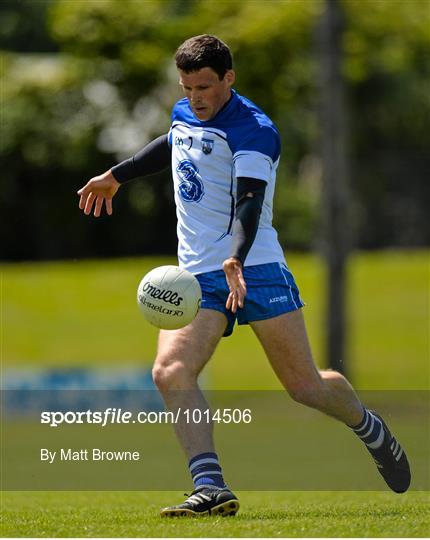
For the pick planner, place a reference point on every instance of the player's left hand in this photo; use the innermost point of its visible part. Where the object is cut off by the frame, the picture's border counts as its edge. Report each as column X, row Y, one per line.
column 236, row 283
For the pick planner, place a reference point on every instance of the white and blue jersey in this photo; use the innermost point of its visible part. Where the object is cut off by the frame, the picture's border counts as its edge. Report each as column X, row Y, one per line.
column 207, row 158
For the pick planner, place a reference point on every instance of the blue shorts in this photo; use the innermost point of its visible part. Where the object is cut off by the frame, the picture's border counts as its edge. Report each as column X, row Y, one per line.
column 271, row 291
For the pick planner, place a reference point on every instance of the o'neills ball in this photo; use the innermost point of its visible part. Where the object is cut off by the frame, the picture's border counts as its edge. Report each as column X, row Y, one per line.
column 169, row 297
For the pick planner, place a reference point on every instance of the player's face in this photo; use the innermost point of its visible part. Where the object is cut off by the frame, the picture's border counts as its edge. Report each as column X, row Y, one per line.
column 205, row 92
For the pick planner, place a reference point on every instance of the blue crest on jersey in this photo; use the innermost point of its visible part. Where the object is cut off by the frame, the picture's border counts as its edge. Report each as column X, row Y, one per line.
column 191, row 187
column 207, row 145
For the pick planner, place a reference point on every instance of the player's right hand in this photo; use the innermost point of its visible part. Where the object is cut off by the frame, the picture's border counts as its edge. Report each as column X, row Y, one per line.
column 98, row 189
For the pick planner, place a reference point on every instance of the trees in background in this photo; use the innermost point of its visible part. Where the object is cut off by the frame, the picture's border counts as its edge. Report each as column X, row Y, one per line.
column 85, row 84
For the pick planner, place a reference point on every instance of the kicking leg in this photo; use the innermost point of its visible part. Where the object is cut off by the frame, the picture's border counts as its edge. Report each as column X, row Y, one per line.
column 286, row 344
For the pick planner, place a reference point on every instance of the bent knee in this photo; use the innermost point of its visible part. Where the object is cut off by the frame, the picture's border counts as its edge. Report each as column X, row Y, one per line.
column 331, row 375
column 309, row 394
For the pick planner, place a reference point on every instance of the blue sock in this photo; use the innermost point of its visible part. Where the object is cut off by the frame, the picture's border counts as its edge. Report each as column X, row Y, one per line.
column 205, row 470
column 370, row 430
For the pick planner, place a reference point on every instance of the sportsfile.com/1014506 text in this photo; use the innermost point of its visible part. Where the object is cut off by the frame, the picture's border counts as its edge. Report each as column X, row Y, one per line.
column 111, row 416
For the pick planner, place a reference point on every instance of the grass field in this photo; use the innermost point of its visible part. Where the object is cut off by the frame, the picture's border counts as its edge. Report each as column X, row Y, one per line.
column 84, row 314
column 272, row 514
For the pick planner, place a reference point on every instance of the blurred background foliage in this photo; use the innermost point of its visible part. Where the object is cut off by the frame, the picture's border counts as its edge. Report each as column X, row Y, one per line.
column 86, row 84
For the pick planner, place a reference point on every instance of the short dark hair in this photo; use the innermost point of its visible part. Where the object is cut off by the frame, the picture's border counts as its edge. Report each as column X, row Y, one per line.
column 204, row 51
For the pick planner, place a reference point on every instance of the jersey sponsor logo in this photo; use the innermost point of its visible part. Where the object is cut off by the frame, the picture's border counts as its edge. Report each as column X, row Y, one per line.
column 191, row 187
column 207, row 145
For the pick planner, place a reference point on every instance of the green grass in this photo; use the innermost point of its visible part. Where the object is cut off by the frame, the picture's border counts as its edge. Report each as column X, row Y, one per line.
column 266, row 514
column 84, row 313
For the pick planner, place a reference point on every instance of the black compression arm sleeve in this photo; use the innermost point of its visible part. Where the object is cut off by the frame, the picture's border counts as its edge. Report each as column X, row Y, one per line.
column 250, row 197
column 153, row 158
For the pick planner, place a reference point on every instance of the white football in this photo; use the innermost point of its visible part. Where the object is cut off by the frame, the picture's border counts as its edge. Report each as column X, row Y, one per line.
column 169, row 297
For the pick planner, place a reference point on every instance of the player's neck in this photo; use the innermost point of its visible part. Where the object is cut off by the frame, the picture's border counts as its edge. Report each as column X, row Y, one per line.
column 226, row 102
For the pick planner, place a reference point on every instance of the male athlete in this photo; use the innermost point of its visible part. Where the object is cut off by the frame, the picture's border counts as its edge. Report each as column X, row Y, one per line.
column 224, row 152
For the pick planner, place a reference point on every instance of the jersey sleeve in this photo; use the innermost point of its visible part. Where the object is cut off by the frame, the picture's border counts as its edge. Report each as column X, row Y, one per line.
column 255, row 155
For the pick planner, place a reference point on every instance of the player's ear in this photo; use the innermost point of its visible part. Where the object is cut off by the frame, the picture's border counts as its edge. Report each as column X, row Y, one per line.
column 230, row 77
